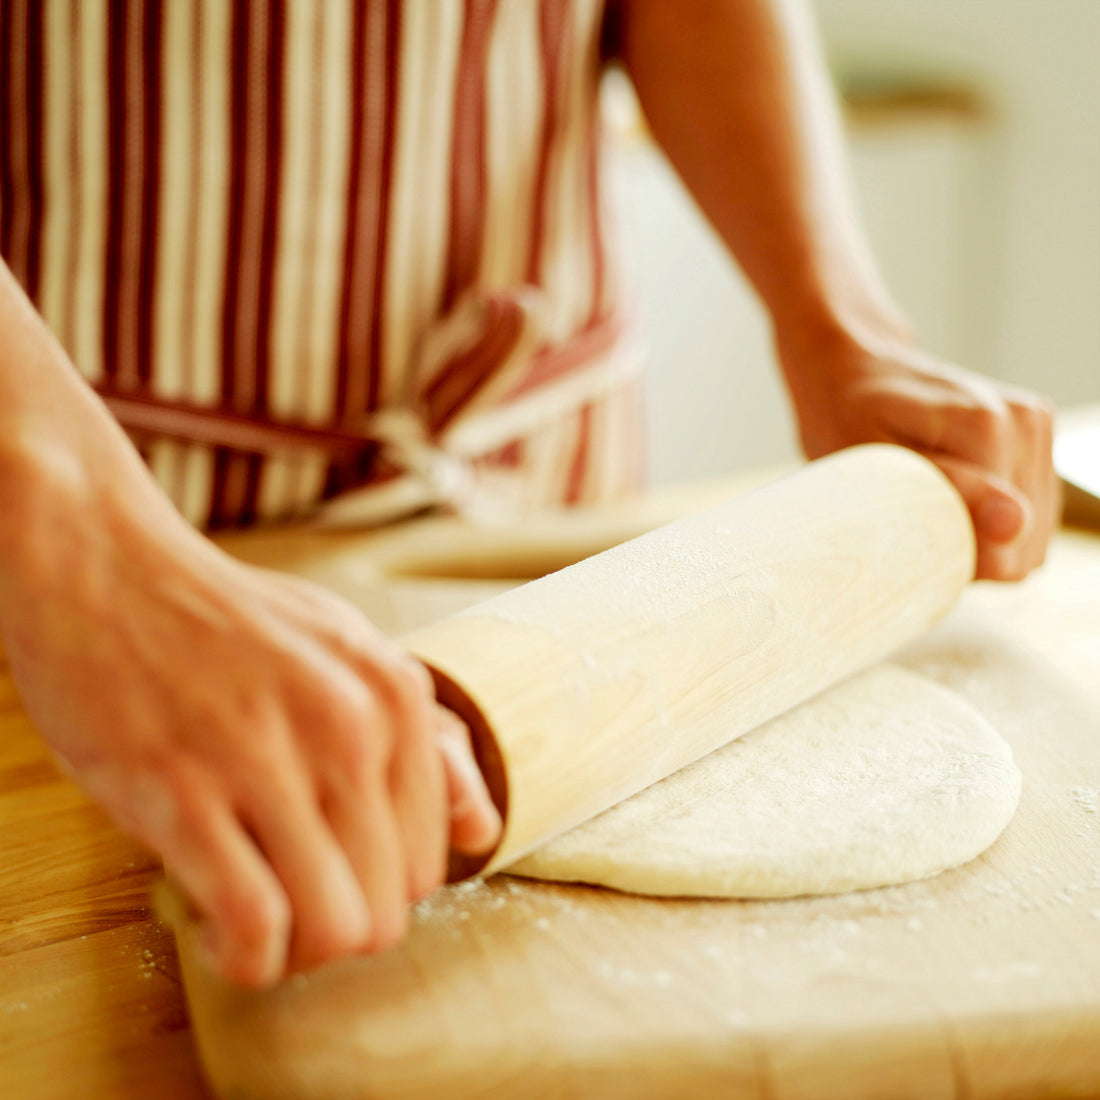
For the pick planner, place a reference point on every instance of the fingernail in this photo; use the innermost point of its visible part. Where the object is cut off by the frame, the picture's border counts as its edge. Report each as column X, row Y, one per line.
column 491, row 827
column 1000, row 518
column 477, row 801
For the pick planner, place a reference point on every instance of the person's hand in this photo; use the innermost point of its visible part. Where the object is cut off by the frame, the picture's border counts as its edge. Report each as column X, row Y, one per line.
column 286, row 760
column 992, row 441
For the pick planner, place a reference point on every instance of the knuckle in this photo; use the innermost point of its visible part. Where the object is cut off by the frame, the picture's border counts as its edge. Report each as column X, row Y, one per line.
column 168, row 800
column 989, row 424
column 357, row 740
column 402, row 695
column 357, row 756
column 360, row 757
column 358, row 720
column 1041, row 414
column 1028, row 400
column 421, row 677
column 408, row 679
column 1042, row 408
column 182, row 809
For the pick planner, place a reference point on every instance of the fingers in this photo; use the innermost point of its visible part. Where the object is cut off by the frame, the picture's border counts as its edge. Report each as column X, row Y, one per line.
column 1010, row 489
column 245, row 911
column 396, row 711
column 1034, row 473
column 417, row 783
column 381, row 792
column 384, row 841
column 293, row 884
column 999, row 511
column 945, row 411
column 348, row 804
column 993, row 442
column 331, row 915
column 363, row 820
column 475, row 821
column 272, row 746
column 334, row 839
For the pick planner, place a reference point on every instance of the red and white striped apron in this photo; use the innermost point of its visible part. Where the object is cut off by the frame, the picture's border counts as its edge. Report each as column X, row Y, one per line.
column 342, row 254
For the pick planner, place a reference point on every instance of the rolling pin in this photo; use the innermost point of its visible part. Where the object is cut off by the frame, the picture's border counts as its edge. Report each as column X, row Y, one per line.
column 586, row 686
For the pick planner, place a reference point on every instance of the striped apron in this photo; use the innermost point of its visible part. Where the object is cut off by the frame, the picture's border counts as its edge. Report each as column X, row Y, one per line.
column 347, row 257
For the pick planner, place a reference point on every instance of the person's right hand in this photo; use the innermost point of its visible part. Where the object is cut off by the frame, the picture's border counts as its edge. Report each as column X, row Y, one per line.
column 287, row 761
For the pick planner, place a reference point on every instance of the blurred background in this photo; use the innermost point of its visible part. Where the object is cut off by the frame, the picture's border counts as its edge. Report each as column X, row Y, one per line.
column 974, row 136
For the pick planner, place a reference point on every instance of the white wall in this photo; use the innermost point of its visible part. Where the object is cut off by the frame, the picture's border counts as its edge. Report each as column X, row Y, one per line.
column 1032, row 265
column 989, row 233
column 715, row 402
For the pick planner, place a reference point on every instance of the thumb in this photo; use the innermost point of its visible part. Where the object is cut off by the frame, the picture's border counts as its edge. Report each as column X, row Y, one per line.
column 998, row 510
column 475, row 822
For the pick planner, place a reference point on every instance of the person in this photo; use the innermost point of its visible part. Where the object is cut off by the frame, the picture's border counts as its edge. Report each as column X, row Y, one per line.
column 313, row 254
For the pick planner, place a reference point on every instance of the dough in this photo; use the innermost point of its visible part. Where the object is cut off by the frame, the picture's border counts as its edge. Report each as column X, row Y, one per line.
column 884, row 779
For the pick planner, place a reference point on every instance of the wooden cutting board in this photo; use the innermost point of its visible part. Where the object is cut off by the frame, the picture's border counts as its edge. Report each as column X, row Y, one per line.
column 983, row 982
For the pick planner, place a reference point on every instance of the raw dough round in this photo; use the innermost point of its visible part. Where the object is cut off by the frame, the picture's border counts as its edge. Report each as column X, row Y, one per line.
column 884, row 779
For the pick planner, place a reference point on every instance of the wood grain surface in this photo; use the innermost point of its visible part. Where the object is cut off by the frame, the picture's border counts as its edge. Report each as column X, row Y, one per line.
column 91, row 1003
column 982, row 982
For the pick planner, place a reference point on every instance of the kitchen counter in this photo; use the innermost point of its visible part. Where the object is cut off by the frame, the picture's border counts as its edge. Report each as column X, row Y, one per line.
column 982, row 982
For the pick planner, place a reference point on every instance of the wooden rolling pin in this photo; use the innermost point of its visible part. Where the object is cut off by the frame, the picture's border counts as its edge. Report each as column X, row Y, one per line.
column 586, row 686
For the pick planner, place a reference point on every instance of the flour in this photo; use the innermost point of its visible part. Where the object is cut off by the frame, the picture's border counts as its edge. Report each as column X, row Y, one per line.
column 1086, row 798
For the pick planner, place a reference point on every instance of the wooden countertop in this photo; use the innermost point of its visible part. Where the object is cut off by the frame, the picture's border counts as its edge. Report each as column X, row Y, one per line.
column 91, row 1003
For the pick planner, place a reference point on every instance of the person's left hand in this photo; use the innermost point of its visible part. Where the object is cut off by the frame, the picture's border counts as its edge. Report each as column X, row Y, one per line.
column 992, row 441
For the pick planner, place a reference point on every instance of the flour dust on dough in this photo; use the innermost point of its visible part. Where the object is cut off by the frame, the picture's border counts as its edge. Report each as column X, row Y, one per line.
column 885, row 779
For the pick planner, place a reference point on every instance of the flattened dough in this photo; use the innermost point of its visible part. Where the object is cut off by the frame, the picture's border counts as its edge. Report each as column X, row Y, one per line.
column 884, row 779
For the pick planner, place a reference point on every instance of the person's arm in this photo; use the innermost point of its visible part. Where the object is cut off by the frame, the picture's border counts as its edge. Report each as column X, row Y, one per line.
column 287, row 761
column 736, row 93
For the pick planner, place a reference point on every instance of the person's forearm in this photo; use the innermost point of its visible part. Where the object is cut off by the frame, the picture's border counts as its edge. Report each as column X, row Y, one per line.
column 736, row 93
column 64, row 462
column 39, row 389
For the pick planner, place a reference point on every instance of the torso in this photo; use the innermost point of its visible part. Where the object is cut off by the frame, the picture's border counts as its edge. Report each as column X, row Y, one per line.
column 255, row 225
